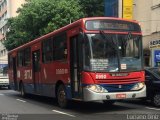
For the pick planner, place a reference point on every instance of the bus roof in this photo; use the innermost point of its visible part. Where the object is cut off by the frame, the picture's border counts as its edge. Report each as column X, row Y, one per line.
column 110, row 18
column 80, row 21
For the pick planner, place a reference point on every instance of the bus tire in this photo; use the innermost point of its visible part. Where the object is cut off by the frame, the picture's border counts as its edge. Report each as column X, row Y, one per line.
column 22, row 91
column 61, row 96
column 156, row 100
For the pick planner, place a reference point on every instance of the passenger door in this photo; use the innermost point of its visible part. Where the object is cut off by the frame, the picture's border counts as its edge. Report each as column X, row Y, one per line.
column 75, row 67
column 36, row 71
column 15, row 73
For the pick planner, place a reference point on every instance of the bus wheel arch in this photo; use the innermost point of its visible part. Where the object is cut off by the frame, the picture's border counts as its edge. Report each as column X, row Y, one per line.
column 58, row 83
column 61, row 94
column 21, row 89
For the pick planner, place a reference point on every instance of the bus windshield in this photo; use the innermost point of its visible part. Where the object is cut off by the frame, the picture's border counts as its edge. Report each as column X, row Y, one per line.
column 112, row 52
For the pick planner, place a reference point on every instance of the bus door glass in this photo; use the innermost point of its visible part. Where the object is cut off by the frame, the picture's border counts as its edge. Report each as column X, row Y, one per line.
column 75, row 66
column 36, row 70
column 13, row 64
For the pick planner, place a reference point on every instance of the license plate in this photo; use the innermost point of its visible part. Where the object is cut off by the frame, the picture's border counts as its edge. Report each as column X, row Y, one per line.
column 120, row 96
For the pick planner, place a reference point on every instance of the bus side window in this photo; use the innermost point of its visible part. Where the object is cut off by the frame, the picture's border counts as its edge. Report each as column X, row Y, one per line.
column 47, row 50
column 27, row 57
column 60, row 47
column 20, row 58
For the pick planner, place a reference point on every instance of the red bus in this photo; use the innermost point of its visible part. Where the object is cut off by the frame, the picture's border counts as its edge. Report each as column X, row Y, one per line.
column 92, row 59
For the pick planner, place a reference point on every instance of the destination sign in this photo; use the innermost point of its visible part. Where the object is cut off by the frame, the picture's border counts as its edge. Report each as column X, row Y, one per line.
column 113, row 25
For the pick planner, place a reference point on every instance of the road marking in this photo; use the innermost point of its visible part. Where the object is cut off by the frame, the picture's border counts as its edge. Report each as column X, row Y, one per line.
column 21, row 100
column 152, row 108
column 1, row 94
column 63, row 113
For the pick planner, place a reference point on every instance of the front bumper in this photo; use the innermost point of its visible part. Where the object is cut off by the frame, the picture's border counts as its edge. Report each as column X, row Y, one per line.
column 89, row 95
column 4, row 84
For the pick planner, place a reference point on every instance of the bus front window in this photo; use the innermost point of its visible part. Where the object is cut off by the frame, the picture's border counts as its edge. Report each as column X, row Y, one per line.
column 112, row 53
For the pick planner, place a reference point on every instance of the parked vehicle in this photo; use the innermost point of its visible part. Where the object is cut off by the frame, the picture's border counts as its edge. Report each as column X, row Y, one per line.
column 152, row 76
column 4, row 81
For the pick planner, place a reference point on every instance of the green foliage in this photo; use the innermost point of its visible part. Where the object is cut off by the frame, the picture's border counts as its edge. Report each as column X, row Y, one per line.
column 15, row 37
column 65, row 12
column 38, row 17
column 92, row 7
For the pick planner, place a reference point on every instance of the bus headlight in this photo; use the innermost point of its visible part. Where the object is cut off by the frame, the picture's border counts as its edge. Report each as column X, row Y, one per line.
column 96, row 88
column 138, row 86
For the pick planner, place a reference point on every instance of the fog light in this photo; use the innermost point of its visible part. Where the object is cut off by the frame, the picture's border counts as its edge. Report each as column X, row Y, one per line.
column 108, row 97
column 134, row 95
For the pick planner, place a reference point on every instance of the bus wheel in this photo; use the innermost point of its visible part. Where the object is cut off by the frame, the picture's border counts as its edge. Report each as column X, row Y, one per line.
column 156, row 100
column 61, row 96
column 108, row 102
column 22, row 91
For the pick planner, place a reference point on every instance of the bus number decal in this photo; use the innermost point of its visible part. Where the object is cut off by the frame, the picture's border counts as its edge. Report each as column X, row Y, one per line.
column 28, row 74
column 101, row 76
column 61, row 71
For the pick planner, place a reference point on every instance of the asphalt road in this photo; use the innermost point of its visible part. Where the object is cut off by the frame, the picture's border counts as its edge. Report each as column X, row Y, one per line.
column 14, row 107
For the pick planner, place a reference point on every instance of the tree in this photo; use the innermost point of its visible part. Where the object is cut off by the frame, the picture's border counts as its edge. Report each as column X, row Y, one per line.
column 92, row 7
column 15, row 37
column 66, row 11
column 38, row 17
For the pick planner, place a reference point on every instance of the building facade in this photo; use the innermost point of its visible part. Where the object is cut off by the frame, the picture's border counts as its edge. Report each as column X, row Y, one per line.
column 8, row 9
column 147, row 12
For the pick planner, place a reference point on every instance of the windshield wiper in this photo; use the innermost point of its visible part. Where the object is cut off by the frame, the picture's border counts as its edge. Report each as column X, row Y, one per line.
column 108, row 39
column 114, row 46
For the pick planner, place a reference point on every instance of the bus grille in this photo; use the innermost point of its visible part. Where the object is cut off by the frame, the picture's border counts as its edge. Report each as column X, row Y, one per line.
column 119, row 81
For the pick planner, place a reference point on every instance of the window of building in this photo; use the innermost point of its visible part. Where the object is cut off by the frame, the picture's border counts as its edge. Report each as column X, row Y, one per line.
column 5, row 2
column 47, row 50
column 2, row 6
column 4, row 51
column 27, row 57
column 2, row 30
column 20, row 58
column 60, row 47
column 1, row 53
column 5, row 15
